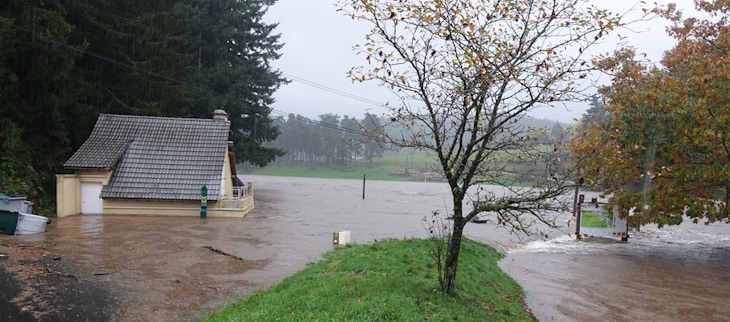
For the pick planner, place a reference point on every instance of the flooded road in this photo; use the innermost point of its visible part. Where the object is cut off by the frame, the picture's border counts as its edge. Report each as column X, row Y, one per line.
column 160, row 269
column 673, row 274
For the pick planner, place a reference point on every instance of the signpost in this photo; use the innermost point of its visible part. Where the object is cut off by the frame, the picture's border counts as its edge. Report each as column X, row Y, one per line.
column 595, row 220
column 204, row 202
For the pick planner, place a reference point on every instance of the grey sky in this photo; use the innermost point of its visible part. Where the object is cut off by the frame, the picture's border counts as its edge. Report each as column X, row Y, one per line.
column 318, row 48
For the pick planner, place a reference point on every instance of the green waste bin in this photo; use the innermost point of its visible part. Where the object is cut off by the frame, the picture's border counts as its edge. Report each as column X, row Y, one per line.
column 8, row 221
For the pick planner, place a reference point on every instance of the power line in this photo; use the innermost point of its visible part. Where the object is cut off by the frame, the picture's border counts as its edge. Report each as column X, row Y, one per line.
column 325, row 124
column 100, row 56
column 174, row 80
column 332, row 90
column 226, row 54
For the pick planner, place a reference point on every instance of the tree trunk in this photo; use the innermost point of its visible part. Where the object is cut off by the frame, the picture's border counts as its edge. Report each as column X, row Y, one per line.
column 452, row 256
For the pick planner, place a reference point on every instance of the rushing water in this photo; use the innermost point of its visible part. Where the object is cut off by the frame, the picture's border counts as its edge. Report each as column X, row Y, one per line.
column 679, row 273
column 671, row 274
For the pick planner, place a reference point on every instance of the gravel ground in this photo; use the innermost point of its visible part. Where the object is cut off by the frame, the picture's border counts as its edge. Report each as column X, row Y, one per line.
column 41, row 286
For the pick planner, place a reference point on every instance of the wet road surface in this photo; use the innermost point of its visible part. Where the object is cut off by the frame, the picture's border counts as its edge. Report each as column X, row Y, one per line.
column 673, row 274
column 159, row 268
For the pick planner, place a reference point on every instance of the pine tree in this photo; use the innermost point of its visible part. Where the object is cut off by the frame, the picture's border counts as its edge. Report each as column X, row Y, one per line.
column 373, row 147
column 233, row 48
column 557, row 131
column 38, row 91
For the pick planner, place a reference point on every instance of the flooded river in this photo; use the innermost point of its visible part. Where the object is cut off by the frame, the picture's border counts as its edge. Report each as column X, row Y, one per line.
column 160, row 269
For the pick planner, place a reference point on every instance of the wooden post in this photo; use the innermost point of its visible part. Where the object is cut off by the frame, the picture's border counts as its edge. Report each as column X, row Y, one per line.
column 363, row 187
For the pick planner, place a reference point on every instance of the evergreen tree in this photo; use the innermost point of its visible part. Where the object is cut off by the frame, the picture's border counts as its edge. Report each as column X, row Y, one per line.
column 233, row 48
column 373, row 148
column 62, row 63
column 38, row 91
column 595, row 113
column 351, row 137
column 557, row 131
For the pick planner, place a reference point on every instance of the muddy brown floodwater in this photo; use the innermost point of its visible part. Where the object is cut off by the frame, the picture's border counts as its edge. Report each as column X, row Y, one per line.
column 673, row 274
column 161, row 269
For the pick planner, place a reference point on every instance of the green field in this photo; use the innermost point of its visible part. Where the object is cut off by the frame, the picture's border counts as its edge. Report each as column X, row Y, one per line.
column 387, row 281
column 382, row 167
column 596, row 218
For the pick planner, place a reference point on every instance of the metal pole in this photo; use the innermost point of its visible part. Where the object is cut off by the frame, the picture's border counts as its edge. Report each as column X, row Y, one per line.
column 363, row 187
column 577, row 217
column 575, row 206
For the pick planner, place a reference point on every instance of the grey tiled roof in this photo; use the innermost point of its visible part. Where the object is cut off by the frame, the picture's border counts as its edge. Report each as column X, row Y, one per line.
column 156, row 157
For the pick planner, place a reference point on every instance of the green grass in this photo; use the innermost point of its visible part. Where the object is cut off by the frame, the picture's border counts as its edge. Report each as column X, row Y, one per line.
column 387, row 281
column 382, row 167
column 595, row 218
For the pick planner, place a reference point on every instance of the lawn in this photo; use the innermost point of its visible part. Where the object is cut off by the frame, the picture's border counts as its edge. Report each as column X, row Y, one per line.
column 387, row 281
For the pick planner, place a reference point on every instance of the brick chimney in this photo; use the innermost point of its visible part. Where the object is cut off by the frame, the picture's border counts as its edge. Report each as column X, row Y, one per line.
column 220, row 114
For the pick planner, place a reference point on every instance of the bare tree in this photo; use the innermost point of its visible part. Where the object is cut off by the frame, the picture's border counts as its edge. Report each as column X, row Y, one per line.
column 466, row 71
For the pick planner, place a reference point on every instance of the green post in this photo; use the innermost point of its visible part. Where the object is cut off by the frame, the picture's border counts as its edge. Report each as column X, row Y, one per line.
column 204, row 202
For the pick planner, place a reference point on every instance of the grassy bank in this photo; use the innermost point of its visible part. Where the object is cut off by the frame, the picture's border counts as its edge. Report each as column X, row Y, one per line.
column 387, row 281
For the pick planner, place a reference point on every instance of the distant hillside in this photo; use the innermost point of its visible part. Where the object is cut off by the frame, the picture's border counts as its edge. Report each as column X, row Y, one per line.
column 526, row 122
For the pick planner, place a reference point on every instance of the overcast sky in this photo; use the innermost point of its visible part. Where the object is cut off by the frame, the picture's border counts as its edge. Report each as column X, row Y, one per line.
column 318, row 49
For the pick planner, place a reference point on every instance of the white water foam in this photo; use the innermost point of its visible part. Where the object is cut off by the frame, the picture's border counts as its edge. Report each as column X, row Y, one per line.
column 692, row 239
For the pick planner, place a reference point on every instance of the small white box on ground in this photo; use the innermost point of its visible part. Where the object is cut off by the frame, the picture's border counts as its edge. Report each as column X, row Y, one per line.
column 341, row 238
column 30, row 224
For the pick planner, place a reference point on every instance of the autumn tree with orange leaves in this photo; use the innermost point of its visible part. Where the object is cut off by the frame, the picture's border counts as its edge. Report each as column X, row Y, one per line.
column 465, row 72
column 665, row 152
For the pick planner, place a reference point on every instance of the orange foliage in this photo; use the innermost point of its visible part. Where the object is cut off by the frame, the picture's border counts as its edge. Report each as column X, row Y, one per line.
column 666, row 149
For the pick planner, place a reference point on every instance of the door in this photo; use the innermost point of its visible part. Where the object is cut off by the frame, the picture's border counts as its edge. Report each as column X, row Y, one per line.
column 91, row 202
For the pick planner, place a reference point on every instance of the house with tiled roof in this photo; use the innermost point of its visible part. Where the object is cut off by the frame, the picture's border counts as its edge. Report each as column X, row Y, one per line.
column 143, row 165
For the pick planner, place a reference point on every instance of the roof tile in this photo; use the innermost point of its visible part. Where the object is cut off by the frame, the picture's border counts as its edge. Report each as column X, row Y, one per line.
column 156, row 157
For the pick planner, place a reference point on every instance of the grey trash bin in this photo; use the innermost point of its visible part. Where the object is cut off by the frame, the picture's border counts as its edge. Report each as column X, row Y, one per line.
column 16, row 203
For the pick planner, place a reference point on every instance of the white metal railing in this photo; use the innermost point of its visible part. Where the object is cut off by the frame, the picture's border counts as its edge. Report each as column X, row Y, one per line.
column 236, row 193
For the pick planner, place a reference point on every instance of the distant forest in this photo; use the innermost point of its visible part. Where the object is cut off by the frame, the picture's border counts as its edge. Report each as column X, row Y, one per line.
column 331, row 140
column 337, row 141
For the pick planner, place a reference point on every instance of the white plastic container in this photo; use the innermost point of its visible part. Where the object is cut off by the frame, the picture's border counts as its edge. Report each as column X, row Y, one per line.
column 30, row 224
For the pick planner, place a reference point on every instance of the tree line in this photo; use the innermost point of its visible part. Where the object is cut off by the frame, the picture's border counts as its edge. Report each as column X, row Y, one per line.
column 331, row 140
column 63, row 62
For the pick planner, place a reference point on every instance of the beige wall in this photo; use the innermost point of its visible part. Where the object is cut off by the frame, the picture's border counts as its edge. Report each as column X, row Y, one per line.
column 227, row 175
column 233, row 208
column 68, row 199
column 68, row 189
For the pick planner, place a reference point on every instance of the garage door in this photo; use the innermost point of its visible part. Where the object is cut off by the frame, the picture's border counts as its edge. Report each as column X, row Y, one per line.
column 91, row 202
